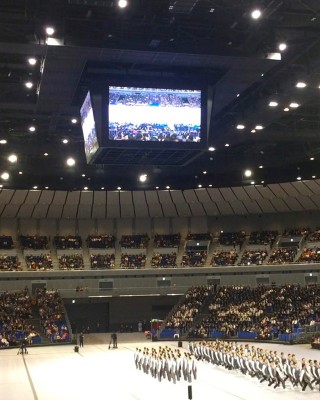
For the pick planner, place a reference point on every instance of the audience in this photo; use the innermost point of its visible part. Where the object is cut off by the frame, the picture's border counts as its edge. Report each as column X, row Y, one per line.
column 102, row 261
column 34, row 242
column 6, row 242
column 101, row 242
column 164, row 260
column 253, row 257
column 39, row 263
column 283, row 255
column 263, row 238
column 194, row 258
column 310, row 255
column 222, row 258
column 67, row 242
column 232, row 238
column 9, row 263
column 74, row 261
column 172, row 240
column 133, row 261
column 134, row 241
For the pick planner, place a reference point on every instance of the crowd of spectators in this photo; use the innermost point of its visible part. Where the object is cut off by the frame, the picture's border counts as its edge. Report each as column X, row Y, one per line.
column 263, row 238
column 296, row 232
column 9, row 263
column 34, row 242
column 199, row 236
column 164, row 260
column 283, row 255
column 172, row 240
column 311, row 255
column 133, row 261
column 264, row 310
column 52, row 315
column 253, row 257
column 15, row 313
column 222, row 258
column 134, row 241
column 101, row 242
column 232, row 238
column 6, row 242
column 40, row 262
column 184, row 315
column 102, row 261
column 314, row 236
column 68, row 242
column 73, row 261
column 194, row 258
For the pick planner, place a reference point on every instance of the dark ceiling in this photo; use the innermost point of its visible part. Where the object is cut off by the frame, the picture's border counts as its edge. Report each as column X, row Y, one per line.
column 217, row 40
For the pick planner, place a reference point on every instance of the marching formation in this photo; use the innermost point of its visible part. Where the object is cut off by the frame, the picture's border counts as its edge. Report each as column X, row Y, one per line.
column 265, row 365
column 166, row 363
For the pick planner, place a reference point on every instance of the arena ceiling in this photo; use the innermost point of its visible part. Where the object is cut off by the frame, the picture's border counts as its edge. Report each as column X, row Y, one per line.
column 216, row 39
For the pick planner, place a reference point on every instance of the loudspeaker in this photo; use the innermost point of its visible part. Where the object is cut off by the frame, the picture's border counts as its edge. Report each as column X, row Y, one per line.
column 190, row 392
column 180, row 343
column 76, row 349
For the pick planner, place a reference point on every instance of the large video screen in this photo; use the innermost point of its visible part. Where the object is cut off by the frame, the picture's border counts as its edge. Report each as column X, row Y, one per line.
column 88, row 128
column 154, row 115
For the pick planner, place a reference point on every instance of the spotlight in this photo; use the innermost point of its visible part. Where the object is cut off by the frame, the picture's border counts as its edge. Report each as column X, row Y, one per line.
column 143, row 178
column 12, row 158
column 256, row 14
column 247, row 173
column 282, row 46
column 29, row 84
column 5, row 176
column 71, row 162
column 32, row 61
column 122, row 3
column 49, row 31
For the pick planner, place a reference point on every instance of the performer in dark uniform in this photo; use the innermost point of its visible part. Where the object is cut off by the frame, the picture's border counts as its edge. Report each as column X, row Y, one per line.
column 114, row 338
column 81, row 337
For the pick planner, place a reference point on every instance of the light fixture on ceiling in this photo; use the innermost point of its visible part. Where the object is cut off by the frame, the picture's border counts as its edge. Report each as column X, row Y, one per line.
column 240, row 126
column 5, row 176
column 45, row 154
column 253, row 131
column 122, row 3
column 282, row 46
column 298, row 178
column 311, row 158
column 204, row 172
column 211, row 148
column 273, row 104
column 301, row 85
column 32, row 128
column 35, row 187
column 260, row 166
column 102, row 188
column 143, row 178
column 49, row 30
column 252, row 182
column 167, row 187
column 200, row 186
column 85, row 188
column 28, row 84
column 74, row 120
column 286, row 109
column 294, row 105
column 13, row 158
column 65, row 141
column 259, row 127
column 247, row 173
column 119, row 188
column 256, row 14
column 3, row 141
column 71, row 162
column 20, row 172
column 32, row 61
column 227, row 145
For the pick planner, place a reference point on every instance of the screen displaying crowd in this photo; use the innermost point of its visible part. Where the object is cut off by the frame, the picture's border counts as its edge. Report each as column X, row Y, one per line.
column 88, row 128
column 148, row 114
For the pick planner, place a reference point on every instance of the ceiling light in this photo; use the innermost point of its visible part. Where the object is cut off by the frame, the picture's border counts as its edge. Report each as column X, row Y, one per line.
column 211, row 148
column 32, row 128
column 262, row 74
column 157, row 187
column 32, row 61
column 238, row 94
column 286, row 109
column 83, row 175
column 20, row 172
column 29, row 84
column 118, row 188
column 168, row 187
column 294, row 105
column 252, row 182
column 12, row 158
column 35, row 187
column 204, row 172
column 313, row 177
column 3, row 141
column 102, row 188
column 227, row 145
column 256, row 14
column 247, row 173
column 143, row 178
column 122, row 3
column 301, row 85
column 259, row 127
column 46, row 187
column 260, row 166
column 49, row 30
column 299, row 178
column 253, row 131
column 282, row 46
column 210, row 185
column 71, row 162
column 45, row 154
column 199, row 186
column 74, row 120
column 311, row 158
column 262, row 181
column 65, row 141
column 240, row 126
column 1, row 186
column 273, row 104
column 5, row 176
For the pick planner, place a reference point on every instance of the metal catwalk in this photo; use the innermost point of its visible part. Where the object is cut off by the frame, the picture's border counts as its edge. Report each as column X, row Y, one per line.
column 57, row 372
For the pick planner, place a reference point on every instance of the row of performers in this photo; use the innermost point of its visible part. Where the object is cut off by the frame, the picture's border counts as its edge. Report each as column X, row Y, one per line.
column 265, row 365
column 166, row 363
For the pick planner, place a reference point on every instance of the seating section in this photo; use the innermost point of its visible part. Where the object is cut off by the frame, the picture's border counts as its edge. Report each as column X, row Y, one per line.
column 9, row 263
column 134, row 241
column 52, row 316
column 67, row 242
column 133, row 261
column 310, row 255
column 296, row 232
column 164, row 260
column 199, row 236
column 101, row 242
column 263, row 311
column 15, row 314
column 253, row 257
column 232, row 238
column 34, row 242
column 74, row 261
column 263, row 238
column 6, row 242
column 102, row 261
column 222, row 258
column 172, row 240
column 314, row 236
column 283, row 255
column 39, row 263
column 194, row 258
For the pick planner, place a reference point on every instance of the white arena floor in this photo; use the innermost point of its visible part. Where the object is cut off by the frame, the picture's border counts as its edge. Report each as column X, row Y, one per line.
column 57, row 372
